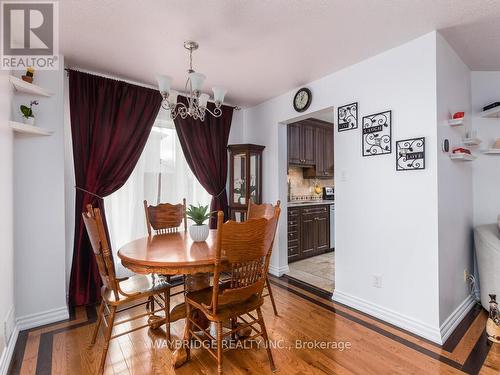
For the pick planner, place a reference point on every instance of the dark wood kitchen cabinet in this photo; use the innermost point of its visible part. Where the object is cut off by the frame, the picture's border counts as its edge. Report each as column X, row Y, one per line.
column 310, row 145
column 324, row 152
column 293, row 234
column 301, row 144
column 308, row 231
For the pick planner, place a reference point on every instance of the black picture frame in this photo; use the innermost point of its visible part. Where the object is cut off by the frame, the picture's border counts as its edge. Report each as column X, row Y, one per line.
column 347, row 117
column 410, row 154
column 377, row 134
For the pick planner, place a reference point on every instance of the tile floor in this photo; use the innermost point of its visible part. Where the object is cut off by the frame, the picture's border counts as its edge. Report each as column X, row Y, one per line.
column 318, row 271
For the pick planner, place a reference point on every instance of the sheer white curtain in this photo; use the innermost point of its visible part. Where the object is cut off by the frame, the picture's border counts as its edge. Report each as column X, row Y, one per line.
column 161, row 175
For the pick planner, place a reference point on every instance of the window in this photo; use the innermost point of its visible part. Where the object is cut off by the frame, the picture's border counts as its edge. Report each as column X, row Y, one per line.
column 161, row 175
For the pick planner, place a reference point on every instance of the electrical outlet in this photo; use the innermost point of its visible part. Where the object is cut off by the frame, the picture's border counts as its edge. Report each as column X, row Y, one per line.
column 377, row 281
column 466, row 275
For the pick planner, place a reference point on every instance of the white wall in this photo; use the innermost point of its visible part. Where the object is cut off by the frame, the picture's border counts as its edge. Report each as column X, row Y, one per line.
column 39, row 217
column 455, row 184
column 236, row 135
column 486, row 168
column 386, row 221
column 6, row 219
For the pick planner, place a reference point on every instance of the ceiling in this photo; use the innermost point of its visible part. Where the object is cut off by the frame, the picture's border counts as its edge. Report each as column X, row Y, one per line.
column 262, row 48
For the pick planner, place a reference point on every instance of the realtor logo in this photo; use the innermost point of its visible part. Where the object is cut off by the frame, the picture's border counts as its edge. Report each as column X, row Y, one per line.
column 29, row 35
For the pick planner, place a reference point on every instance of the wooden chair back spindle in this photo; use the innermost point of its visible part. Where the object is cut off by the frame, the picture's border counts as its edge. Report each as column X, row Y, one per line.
column 165, row 217
column 246, row 251
column 99, row 241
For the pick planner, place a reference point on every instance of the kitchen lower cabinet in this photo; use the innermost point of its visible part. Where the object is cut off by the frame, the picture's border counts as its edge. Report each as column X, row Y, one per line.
column 308, row 231
column 293, row 234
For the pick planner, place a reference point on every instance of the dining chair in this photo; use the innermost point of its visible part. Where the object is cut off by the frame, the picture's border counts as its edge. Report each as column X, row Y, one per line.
column 118, row 292
column 165, row 217
column 256, row 211
column 243, row 249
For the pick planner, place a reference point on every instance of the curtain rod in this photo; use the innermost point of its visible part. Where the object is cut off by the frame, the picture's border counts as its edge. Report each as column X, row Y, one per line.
column 235, row 107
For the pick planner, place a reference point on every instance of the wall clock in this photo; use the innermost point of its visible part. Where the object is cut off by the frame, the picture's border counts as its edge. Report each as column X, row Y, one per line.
column 302, row 99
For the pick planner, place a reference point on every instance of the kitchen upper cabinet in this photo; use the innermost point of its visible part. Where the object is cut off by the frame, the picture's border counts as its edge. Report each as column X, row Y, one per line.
column 294, row 144
column 310, row 144
column 301, row 144
column 324, row 152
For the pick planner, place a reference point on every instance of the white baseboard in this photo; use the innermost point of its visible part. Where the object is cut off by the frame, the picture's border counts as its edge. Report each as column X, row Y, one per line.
column 278, row 271
column 456, row 317
column 402, row 321
column 42, row 318
column 8, row 351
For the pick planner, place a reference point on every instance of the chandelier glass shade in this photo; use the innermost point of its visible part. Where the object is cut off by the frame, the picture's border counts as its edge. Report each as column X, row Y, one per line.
column 197, row 101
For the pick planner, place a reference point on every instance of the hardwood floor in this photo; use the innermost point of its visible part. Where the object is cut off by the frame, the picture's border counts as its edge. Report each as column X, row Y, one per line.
column 375, row 347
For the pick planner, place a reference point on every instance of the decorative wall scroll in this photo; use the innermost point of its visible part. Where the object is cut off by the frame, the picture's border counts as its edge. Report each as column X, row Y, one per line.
column 377, row 134
column 347, row 117
column 410, row 154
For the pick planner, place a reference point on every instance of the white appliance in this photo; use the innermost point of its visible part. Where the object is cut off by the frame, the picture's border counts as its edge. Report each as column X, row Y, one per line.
column 332, row 226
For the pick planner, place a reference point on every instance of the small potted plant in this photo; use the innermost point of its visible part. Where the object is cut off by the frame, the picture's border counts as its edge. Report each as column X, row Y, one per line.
column 199, row 214
column 27, row 112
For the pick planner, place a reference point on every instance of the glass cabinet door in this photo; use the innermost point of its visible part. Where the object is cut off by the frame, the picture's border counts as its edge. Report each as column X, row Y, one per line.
column 239, row 178
column 255, row 177
column 245, row 178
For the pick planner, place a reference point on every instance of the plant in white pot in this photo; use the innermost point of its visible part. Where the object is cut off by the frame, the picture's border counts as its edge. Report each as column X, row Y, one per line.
column 199, row 214
column 27, row 112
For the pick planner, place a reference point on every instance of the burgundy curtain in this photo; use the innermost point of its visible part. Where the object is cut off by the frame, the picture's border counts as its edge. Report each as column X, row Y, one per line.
column 204, row 144
column 110, row 124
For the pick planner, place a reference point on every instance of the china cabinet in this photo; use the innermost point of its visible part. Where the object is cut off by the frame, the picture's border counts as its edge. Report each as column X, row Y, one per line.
column 245, row 178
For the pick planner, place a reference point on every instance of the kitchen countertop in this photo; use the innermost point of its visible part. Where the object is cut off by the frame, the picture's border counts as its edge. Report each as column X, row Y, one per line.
column 309, row 203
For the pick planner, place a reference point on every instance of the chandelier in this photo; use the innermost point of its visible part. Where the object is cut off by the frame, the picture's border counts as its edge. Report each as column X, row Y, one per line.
column 196, row 100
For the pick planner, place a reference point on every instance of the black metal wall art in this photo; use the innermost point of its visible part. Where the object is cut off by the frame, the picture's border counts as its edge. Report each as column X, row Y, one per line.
column 347, row 117
column 377, row 134
column 410, row 154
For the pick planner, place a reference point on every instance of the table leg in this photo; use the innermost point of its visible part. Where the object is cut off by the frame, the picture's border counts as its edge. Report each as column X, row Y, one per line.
column 193, row 283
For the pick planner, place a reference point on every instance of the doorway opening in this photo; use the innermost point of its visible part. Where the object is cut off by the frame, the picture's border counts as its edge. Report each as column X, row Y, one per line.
column 311, row 201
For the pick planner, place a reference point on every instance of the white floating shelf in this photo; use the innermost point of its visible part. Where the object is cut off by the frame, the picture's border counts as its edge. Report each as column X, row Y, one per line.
column 491, row 113
column 456, row 121
column 29, row 129
column 471, row 141
column 28, row 88
column 462, row 157
column 491, row 151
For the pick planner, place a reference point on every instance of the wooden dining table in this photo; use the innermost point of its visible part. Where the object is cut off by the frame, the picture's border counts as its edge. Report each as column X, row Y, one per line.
column 174, row 254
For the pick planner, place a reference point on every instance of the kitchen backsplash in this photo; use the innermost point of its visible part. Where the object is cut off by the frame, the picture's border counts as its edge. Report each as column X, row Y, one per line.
column 303, row 186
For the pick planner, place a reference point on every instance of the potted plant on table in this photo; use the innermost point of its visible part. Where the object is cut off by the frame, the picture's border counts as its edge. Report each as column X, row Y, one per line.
column 27, row 112
column 199, row 214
